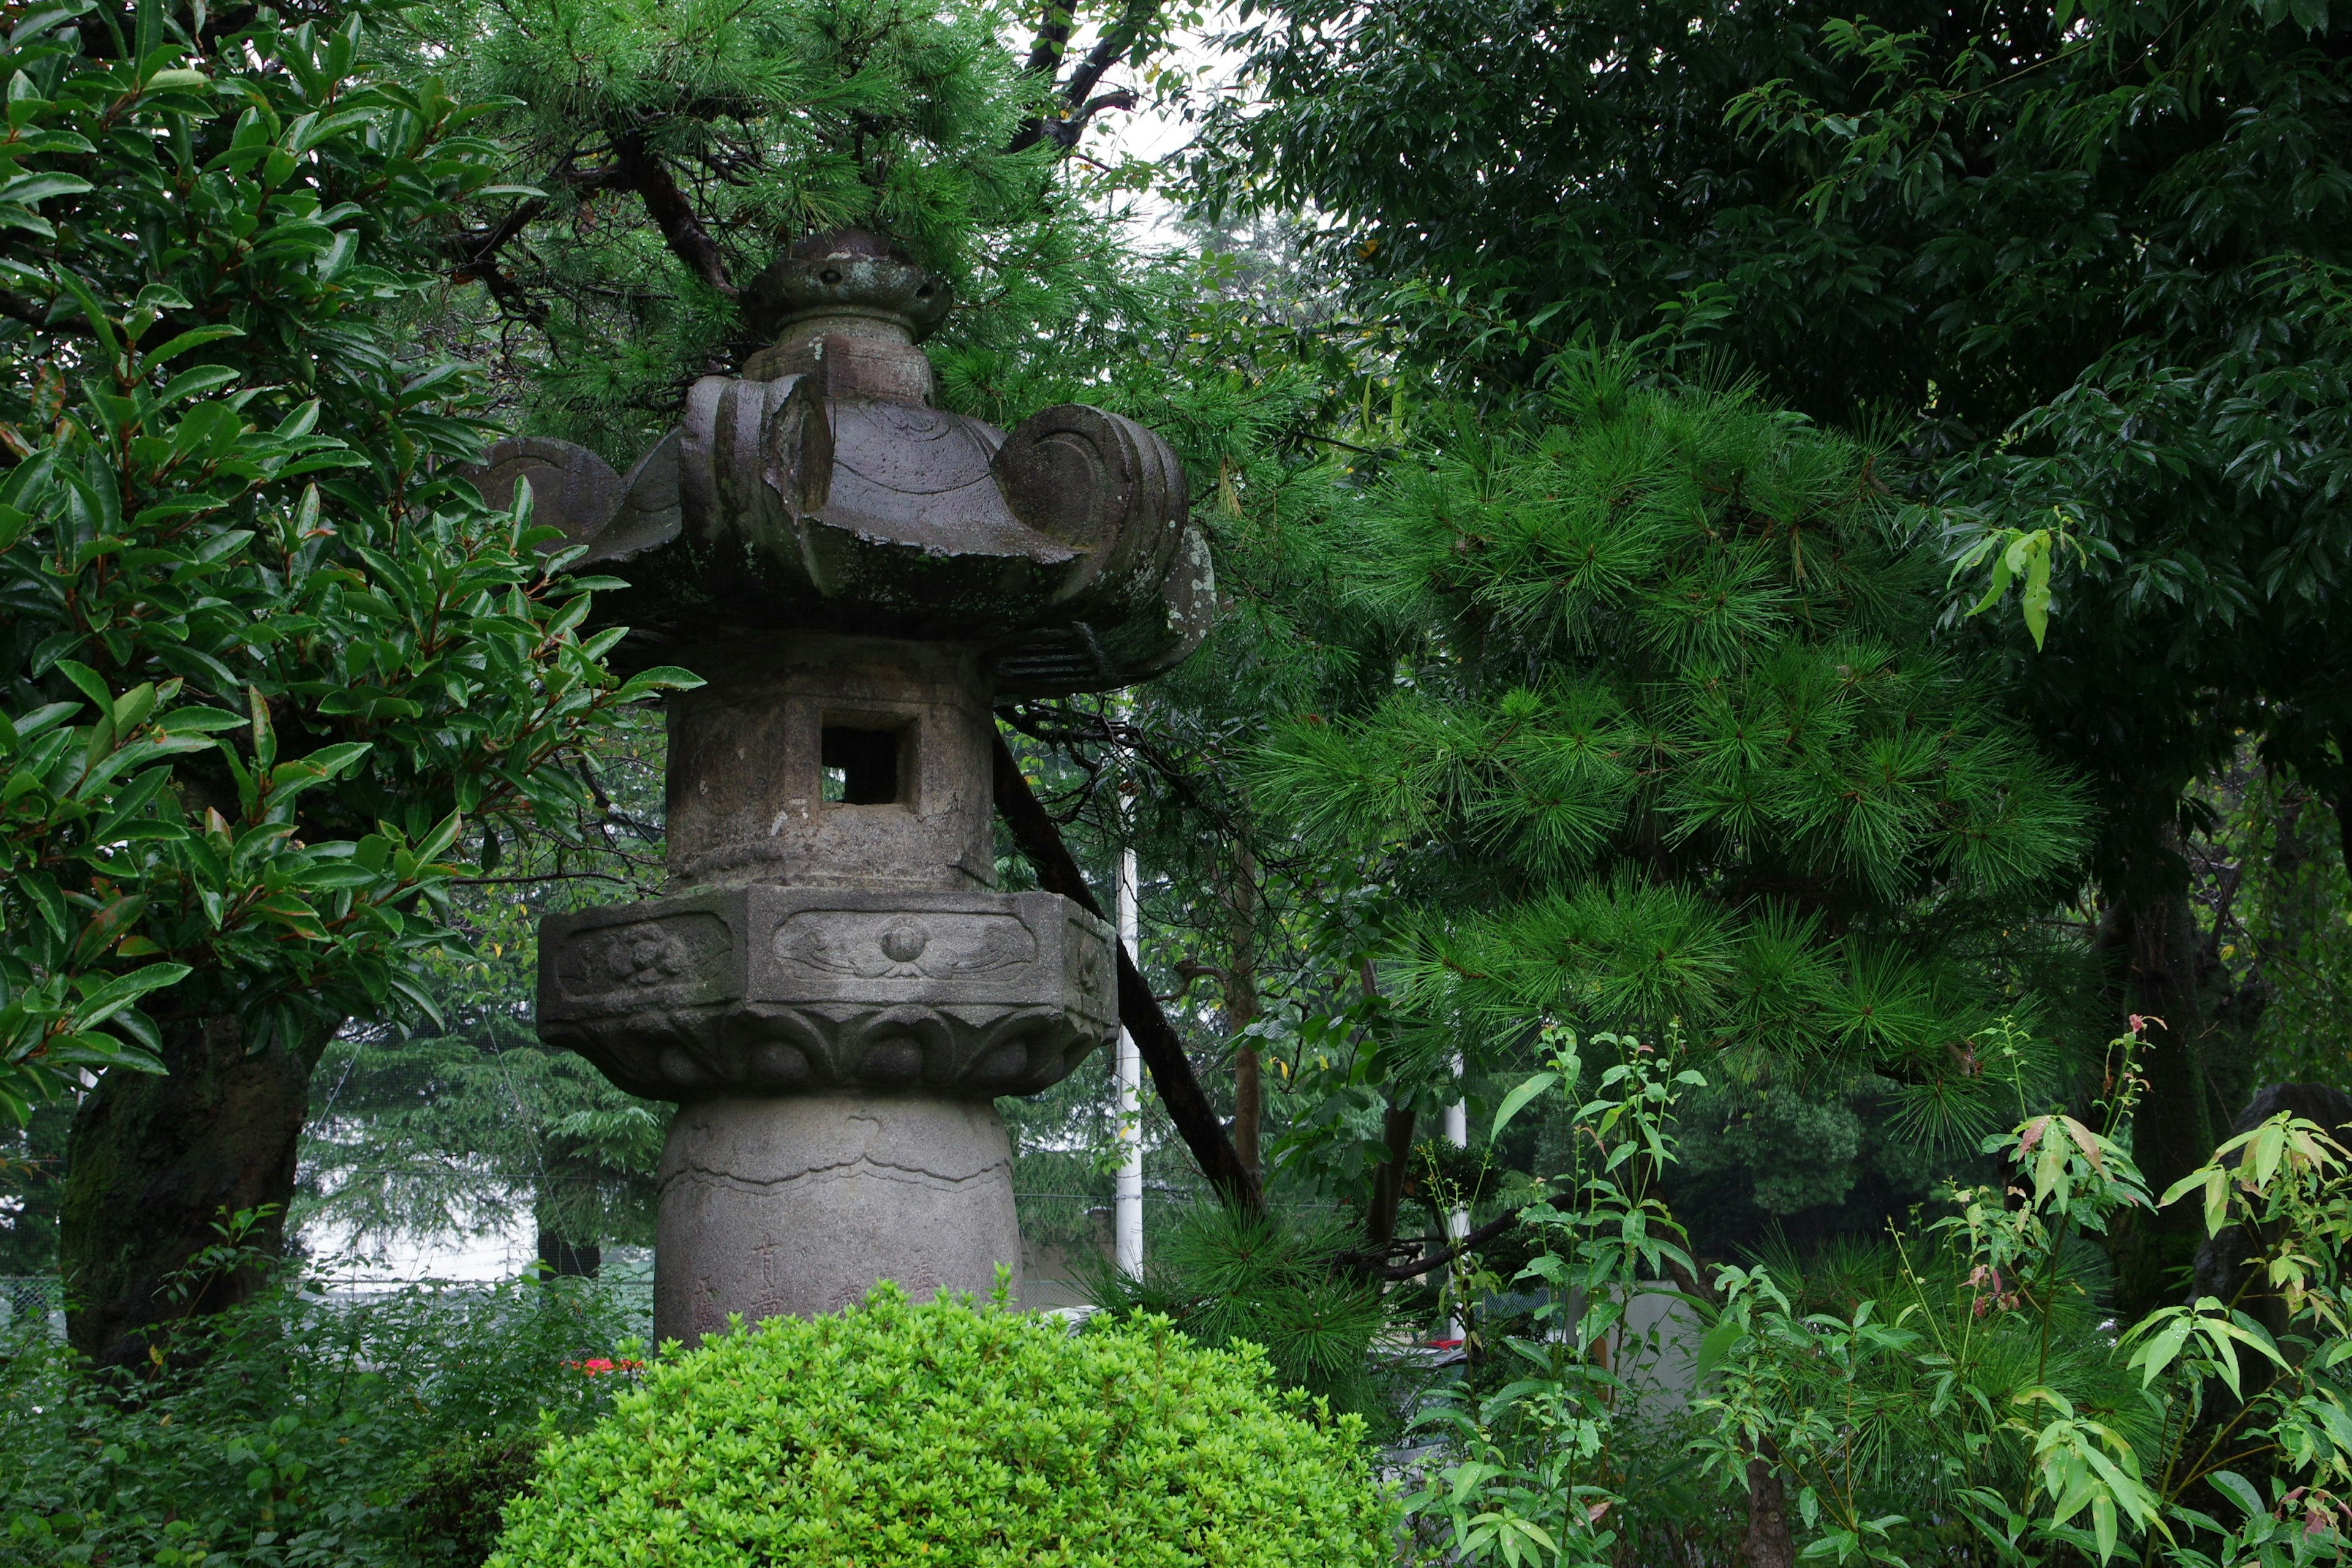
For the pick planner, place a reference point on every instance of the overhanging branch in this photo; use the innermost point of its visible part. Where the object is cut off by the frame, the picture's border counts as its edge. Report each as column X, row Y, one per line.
column 642, row 170
column 1116, row 39
column 1053, row 38
column 1078, row 101
column 1374, row 1265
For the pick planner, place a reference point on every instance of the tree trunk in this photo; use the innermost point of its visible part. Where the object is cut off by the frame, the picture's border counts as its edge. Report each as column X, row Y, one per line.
column 1388, row 1181
column 156, row 1165
column 1396, row 1139
column 1771, row 1543
column 1242, row 1010
column 2341, row 803
column 2152, row 929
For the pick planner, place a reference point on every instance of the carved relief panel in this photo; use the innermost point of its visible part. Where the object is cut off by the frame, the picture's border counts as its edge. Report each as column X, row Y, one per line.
column 769, row 990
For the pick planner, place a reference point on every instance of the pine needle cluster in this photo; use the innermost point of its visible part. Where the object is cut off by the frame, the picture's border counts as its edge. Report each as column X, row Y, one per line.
column 1674, row 747
column 1228, row 1278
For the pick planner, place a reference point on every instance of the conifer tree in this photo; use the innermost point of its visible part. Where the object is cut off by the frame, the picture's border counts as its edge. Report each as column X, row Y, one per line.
column 467, row 1121
column 2093, row 256
column 1670, row 748
column 660, row 156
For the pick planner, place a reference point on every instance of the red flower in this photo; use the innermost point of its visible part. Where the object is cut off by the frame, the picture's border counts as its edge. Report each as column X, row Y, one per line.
column 596, row 1364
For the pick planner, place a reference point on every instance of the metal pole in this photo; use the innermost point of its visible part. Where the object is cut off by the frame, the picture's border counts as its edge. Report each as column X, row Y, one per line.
column 1127, row 1231
column 1457, row 1224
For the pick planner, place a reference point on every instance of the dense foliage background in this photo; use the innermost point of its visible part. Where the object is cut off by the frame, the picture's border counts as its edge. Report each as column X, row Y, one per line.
column 1783, row 627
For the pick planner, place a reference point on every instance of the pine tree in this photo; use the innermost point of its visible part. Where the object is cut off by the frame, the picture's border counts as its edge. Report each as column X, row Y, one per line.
column 469, row 1122
column 2094, row 257
column 659, row 156
column 464, row 1120
column 1672, row 748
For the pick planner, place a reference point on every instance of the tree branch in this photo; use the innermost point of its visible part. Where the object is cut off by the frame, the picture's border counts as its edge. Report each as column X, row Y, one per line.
column 1371, row 1264
column 487, row 246
column 1118, row 98
column 1053, row 38
column 642, row 172
column 16, row 307
column 34, row 313
column 1116, row 39
column 1156, row 1040
column 1078, row 103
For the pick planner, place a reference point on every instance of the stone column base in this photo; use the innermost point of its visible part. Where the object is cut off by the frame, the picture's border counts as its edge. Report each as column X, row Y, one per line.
column 798, row 1205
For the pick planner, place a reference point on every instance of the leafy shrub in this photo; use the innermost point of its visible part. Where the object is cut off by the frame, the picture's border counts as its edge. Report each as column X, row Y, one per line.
column 311, row 1431
column 1961, row 1397
column 955, row 1434
column 462, row 1490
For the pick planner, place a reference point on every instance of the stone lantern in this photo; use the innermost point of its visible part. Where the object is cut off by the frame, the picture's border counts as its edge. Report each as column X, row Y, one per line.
column 835, row 991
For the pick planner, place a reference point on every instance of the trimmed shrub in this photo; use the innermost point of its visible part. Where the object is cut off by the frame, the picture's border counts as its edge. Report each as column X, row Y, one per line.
column 960, row 1434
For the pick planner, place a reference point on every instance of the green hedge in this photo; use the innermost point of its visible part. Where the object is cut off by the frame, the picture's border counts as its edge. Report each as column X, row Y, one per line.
column 957, row 1434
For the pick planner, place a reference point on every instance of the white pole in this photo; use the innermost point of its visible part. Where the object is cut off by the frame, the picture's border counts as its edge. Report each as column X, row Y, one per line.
column 1127, row 1230
column 1457, row 1224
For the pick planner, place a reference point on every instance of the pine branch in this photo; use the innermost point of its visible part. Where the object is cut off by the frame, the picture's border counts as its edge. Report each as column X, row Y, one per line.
column 643, row 171
column 482, row 265
column 1056, row 725
column 1079, row 102
column 1371, row 1265
column 1156, row 1040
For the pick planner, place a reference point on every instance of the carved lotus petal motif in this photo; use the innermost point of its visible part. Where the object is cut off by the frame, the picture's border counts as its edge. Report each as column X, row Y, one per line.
column 768, row 990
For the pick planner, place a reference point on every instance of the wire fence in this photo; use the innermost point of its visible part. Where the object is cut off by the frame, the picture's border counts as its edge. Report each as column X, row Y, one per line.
column 28, row 1299
column 1065, row 1239
column 1062, row 1233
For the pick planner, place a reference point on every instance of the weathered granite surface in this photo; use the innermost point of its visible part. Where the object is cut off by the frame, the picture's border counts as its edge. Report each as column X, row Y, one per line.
column 774, row 1207
column 771, row 990
column 820, row 490
column 746, row 765
column 835, row 991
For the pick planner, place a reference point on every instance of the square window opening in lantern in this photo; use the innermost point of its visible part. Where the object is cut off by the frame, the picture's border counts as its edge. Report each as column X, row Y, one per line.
column 863, row 763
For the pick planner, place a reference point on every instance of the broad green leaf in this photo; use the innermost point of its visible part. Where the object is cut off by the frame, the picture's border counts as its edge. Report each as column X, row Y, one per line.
column 115, row 994
column 1518, row 1097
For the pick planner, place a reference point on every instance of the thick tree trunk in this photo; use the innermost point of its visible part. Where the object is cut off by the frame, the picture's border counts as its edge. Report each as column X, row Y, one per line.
column 1771, row 1543
column 2152, row 929
column 155, row 1165
column 1241, row 1010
